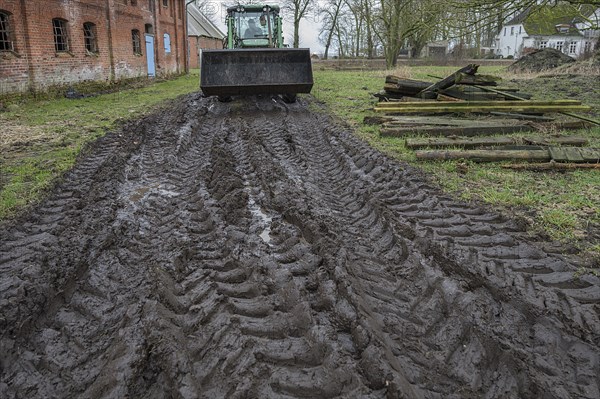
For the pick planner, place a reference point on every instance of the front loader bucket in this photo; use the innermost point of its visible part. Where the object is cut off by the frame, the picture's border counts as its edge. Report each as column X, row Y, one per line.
column 255, row 71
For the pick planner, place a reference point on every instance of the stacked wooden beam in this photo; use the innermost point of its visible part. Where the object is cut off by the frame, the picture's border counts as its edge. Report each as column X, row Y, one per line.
column 458, row 103
column 463, row 84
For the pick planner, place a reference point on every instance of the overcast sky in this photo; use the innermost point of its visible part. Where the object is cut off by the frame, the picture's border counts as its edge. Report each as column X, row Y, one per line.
column 309, row 27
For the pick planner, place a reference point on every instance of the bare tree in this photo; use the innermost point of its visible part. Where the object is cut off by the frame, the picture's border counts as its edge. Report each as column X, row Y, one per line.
column 330, row 13
column 367, row 8
column 395, row 23
column 299, row 8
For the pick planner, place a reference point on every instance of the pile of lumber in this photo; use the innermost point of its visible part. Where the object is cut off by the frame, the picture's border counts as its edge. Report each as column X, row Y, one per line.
column 464, row 84
column 465, row 106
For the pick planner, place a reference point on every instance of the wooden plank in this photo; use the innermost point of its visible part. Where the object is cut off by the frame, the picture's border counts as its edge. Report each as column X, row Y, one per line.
column 485, row 155
column 466, row 142
column 524, row 116
column 445, row 121
column 558, row 154
column 552, row 166
column 482, row 80
column 395, row 84
column 573, row 154
column 431, row 91
column 471, row 96
column 590, row 154
column 562, row 140
column 525, row 103
column 583, row 118
column 463, row 142
column 482, row 109
column 455, row 122
column 391, row 130
column 455, row 131
column 443, row 97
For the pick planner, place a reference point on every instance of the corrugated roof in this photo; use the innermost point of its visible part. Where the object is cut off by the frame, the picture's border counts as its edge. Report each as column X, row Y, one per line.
column 200, row 25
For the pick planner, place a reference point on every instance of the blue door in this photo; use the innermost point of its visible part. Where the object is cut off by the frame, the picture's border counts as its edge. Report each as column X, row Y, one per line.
column 150, row 55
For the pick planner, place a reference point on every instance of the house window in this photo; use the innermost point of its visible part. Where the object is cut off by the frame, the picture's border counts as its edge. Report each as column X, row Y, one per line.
column 520, row 29
column 90, row 38
column 512, row 30
column 587, row 47
column 167, row 40
column 137, row 42
column 504, row 31
column 165, row 3
column 61, row 35
column 543, row 44
column 559, row 46
column 6, row 43
column 149, row 29
column 572, row 47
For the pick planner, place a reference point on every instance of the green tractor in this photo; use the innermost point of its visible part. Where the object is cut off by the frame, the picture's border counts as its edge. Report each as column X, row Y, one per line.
column 255, row 60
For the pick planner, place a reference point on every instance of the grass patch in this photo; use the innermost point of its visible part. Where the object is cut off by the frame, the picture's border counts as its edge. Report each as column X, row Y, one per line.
column 563, row 205
column 41, row 139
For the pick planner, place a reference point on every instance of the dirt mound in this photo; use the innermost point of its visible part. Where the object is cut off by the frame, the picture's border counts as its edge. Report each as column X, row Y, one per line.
column 540, row 60
column 258, row 250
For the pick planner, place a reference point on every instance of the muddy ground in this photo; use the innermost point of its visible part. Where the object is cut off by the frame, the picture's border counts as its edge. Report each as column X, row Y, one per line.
column 259, row 250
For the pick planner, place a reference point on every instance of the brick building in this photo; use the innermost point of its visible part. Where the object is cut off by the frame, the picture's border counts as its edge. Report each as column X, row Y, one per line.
column 202, row 34
column 59, row 42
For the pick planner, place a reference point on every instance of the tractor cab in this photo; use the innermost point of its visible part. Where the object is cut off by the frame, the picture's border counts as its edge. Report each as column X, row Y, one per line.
column 253, row 26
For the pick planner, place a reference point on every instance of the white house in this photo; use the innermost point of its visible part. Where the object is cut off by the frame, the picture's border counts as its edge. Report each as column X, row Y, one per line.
column 567, row 28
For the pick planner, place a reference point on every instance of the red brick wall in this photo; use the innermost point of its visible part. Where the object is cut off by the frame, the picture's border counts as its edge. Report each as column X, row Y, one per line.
column 197, row 43
column 37, row 65
column 14, row 68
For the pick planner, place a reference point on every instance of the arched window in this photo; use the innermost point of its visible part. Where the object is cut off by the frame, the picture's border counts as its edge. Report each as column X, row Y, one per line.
column 6, row 41
column 137, row 42
column 90, row 37
column 61, row 35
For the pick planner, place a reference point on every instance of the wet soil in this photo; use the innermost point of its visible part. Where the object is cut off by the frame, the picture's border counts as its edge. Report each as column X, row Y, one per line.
column 256, row 249
column 540, row 60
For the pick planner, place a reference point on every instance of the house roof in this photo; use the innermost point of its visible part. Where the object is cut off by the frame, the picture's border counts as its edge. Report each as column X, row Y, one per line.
column 200, row 25
column 520, row 17
column 543, row 20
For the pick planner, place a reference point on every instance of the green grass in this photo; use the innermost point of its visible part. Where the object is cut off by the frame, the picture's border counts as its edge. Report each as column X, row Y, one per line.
column 561, row 205
column 51, row 133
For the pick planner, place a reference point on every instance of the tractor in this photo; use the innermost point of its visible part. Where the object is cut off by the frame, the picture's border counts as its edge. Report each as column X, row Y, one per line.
column 254, row 59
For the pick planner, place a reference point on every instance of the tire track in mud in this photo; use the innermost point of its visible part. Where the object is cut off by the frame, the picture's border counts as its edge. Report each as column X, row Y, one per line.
column 255, row 249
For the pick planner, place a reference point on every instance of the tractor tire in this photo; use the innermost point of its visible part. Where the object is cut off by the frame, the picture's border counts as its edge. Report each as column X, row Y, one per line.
column 289, row 98
column 224, row 99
